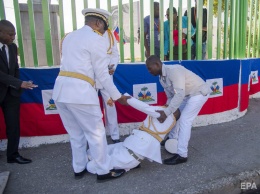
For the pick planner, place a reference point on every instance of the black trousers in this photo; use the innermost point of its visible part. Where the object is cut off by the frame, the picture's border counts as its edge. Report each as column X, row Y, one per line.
column 11, row 110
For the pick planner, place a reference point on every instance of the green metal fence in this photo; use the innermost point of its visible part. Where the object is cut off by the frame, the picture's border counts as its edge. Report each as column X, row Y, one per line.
column 237, row 34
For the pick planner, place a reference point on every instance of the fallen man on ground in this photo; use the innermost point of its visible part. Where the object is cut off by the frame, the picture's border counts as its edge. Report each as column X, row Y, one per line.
column 142, row 143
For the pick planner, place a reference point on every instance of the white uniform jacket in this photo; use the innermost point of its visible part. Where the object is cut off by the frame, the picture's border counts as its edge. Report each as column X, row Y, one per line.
column 145, row 144
column 85, row 52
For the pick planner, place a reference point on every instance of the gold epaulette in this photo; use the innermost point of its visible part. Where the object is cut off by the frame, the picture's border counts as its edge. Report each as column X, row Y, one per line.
column 111, row 41
column 156, row 133
column 98, row 32
column 78, row 76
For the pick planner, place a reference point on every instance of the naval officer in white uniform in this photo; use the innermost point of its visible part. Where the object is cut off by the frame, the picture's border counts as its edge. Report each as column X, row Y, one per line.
column 143, row 143
column 110, row 112
column 184, row 90
column 85, row 59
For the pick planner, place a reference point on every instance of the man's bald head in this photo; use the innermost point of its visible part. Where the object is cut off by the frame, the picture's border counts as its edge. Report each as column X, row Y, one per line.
column 154, row 65
column 5, row 24
column 7, row 32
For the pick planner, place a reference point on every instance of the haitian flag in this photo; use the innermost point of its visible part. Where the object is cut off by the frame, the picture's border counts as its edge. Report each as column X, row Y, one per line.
column 39, row 115
column 224, row 72
column 254, row 76
column 34, row 121
column 245, row 84
column 116, row 34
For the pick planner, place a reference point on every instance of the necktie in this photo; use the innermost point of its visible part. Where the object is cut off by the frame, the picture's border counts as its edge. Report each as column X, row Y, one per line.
column 4, row 54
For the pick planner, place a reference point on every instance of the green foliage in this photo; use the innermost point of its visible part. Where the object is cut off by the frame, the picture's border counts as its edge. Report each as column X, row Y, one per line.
column 215, row 6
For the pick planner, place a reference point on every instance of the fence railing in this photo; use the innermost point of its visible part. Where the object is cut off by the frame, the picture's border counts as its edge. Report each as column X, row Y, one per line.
column 233, row 28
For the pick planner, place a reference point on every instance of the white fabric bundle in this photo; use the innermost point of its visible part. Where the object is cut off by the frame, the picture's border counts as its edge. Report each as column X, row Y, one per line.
column 143, row 107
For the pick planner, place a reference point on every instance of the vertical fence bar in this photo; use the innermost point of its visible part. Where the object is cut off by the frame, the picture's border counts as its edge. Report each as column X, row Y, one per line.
column 189, row 30
column 62, row 32
column 33, row 31
column 258, row 36
column 226, row 29
column 73, row 13
column 121, row 28
column 249, row 30
column 132, row 46
column 161, row 30
column 141, row 3
column 219, row 29
column 254, row 27
column 47, row 31
column 151, row 27
column 199, row 29
column 109, row 9
column 19, row 31
column 209, row 28
column 98, row 3
column 171, row 31
column 237, row 32
column 85, row 2
column 179, row 30
column 243, row 28
column 2, row 10
column 232, row 30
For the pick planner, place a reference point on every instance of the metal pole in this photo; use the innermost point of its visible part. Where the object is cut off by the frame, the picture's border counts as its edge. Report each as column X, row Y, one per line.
column 19, row 31
column 132, row 46
column 141, row 3
column 33, row 32
column 121, row 27
column 225, row 54
column 209, row 28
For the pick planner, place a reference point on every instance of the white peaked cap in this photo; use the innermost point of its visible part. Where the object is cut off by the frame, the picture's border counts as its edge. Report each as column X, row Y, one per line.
column 99, row 12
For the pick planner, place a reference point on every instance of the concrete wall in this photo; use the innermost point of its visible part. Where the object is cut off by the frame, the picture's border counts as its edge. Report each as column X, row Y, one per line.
column 40, row 39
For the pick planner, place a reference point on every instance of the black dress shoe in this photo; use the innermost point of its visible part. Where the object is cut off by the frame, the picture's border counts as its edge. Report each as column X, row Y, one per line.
column 79, row 175
column 163, row 141
column 111, row 175
column 116, row 140
column 19, row 160
column 176, row 159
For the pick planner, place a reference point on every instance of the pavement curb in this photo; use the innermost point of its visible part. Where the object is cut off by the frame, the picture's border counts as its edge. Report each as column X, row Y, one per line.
column 230, row 185
column 3, row 180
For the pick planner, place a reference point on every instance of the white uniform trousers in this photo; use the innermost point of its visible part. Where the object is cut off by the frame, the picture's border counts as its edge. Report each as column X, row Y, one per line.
column 110, row 116
column 189, row 108
column 84, row 124
column 120, row 158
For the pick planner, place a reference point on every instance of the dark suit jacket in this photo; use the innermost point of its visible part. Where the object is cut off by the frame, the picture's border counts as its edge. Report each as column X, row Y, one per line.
column 10, row 77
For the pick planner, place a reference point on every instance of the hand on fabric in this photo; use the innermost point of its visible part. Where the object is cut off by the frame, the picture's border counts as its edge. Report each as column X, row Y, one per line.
column 111, row 69
column 110, row 102
column 123, row 100
column 28, row 85
column 163, row 116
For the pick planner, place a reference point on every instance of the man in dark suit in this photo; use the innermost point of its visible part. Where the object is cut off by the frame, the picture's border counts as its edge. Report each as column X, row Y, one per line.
column 10, row 90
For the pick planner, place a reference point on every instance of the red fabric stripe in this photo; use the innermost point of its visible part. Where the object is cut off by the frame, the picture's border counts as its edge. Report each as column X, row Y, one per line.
column 254, row 88
column 222, row 103
column 244, row 98
column 35, row 123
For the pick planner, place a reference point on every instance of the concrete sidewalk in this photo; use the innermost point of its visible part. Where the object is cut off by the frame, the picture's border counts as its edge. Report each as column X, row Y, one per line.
column 222, row 159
